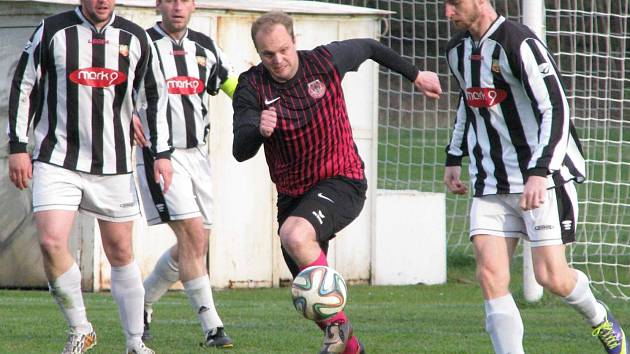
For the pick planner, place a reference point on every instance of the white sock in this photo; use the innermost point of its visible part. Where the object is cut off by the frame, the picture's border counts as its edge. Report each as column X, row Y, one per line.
column 583, row 301
column 504, row 324
column 164, row 275
column 128, row 293
column 66, row 290
column 200, row 297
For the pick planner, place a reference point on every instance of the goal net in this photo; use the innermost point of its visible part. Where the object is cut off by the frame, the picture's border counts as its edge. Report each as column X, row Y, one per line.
column 589, row 40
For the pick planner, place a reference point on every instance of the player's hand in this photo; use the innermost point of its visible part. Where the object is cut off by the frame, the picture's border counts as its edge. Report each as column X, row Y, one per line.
column 163, row 168
column 452, row 181
column 534, row 194
column 138, row 132
column 20, row 169
column 268, row 119
column 429, row 84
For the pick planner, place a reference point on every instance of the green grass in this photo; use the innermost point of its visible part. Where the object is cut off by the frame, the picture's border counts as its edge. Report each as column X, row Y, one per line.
column 405, row 319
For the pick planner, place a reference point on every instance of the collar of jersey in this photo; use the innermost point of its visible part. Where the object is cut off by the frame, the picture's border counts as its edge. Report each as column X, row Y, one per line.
column 88, row 23
column 493, row 28
column 161, row 31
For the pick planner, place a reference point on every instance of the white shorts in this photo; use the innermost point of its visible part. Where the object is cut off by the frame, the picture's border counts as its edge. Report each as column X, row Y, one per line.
column 105, row 197
column 553, row 223
column 190, row 193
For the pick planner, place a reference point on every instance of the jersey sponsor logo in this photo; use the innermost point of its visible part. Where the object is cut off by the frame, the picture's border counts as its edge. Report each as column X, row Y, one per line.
column 484, row 97
column 97, row 77
column 98, row 41
column 178, row 53
column 184, row 85
column 270, row 101
column 476, row 57
column 316, row 89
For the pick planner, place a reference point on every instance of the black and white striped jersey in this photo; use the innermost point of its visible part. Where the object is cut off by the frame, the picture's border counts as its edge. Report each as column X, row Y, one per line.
column 193, row 68
column 513, row 119
column 79, row 87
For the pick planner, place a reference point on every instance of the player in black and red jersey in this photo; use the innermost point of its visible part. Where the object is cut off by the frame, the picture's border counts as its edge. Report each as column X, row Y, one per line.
column 292, row 103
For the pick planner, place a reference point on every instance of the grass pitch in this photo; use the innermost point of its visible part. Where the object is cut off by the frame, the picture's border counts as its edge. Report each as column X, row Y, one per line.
column 392, row 319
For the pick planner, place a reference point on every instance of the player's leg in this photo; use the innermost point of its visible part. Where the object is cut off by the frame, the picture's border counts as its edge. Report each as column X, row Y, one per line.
column 310, row 222
column 192, row 242
column 164, row 275
column 113, row 201
column 558, row 215
column 495, row 231
column 503, row 320
column 56, row 197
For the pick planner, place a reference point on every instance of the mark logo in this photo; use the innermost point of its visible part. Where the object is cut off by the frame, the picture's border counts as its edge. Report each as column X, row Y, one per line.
column 484, row 97
column 97, row 77
column 316, row 89
column 184, row 85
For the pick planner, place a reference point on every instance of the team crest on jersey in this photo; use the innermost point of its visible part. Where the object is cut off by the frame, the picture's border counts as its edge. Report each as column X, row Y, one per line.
column 496, row 68
column 201, row 61
column 316, row 89
column 123, row 49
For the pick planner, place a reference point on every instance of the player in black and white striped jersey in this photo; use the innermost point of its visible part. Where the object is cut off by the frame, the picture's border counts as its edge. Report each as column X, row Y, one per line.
column 194, row 68
column 514, row 123
column 77, row 81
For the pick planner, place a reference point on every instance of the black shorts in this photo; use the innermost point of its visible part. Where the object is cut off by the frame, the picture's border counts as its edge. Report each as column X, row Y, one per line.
column 329, row 206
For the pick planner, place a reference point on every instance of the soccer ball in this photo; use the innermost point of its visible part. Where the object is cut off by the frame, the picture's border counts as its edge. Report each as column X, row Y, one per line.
column 319, row 292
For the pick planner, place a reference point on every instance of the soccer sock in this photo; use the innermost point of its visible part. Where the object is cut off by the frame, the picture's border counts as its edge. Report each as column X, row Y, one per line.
column 200, row 296
column 66, row 290
column 164, row 275
column 504, row 324
column 582, row 300
column 128, row 293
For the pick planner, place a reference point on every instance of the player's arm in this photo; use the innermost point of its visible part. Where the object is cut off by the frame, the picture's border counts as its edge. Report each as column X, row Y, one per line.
column 456, row 150
column 246, row 124
column 23, row 103
column 222, row 77
column 155, row 95
column 542, row 84
column 348, row 55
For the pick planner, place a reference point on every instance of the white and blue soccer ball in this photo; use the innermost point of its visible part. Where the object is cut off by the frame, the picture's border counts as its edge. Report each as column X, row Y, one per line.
column 319, row 293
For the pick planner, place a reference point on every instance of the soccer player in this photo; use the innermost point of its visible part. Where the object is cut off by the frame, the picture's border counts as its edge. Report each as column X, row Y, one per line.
column 193, row 67
column 514, row 123
column 292, row 103
column 77, row 82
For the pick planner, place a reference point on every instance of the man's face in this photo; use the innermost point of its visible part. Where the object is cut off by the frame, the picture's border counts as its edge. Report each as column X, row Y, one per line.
column 175, row 14
column 277, row 51
column 98, row 11
column 462, row 13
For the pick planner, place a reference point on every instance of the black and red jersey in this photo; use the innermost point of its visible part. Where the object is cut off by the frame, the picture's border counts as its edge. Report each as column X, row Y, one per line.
column 313, row 139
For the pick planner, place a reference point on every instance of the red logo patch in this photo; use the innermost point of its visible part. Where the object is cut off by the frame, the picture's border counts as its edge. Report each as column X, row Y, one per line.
column 178, row 53
column 316, row 89
column 98, row 41
column 97, row 77
column 484, row 97
column 184, row 85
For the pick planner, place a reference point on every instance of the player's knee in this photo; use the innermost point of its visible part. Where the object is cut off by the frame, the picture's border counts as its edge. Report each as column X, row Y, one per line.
column 51, row 244
column 492, row 280
column 194, row 246
column 554, row 282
